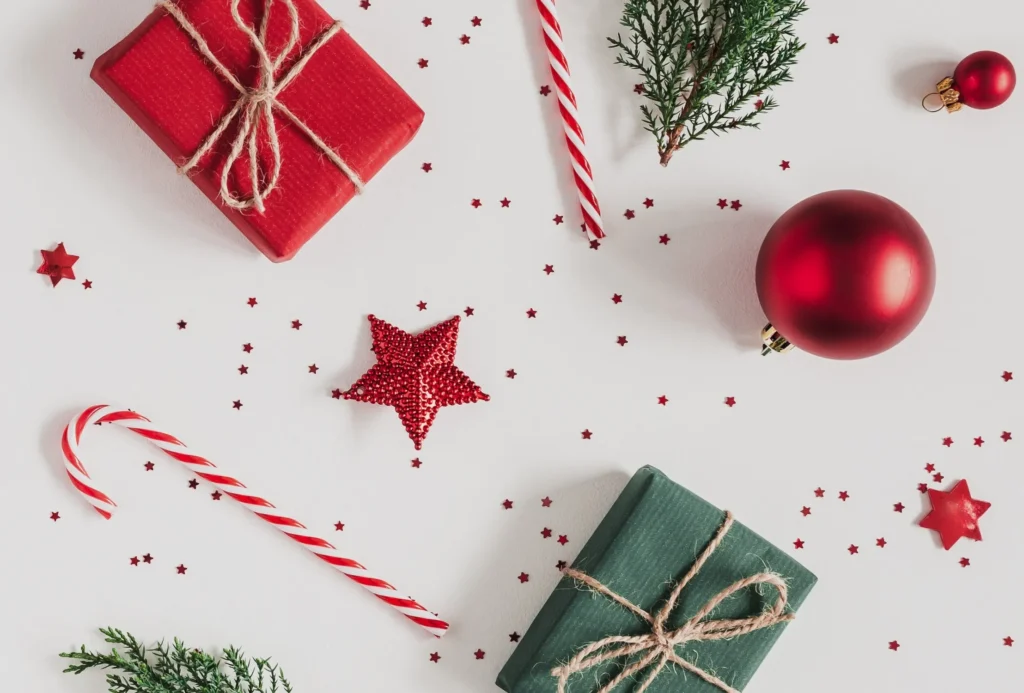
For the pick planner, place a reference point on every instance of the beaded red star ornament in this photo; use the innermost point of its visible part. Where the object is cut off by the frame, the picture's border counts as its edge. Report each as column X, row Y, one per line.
column 415, row 374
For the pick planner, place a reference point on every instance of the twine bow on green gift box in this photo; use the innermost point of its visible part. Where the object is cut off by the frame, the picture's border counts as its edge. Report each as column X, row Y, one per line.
column 652, row 652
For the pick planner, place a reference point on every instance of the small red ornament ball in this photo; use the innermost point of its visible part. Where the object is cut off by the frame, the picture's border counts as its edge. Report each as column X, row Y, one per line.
column 984, row 79
column 845, row 274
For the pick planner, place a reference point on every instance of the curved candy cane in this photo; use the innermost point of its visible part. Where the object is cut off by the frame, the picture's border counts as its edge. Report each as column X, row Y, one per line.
column 203, row 468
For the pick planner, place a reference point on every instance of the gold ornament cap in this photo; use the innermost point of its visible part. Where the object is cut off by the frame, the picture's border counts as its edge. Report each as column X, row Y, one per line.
column 773, row 341
column 949, row 95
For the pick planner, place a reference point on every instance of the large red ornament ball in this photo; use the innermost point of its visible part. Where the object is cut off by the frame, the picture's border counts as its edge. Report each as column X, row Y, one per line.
column 845, row 274
column 984, row 79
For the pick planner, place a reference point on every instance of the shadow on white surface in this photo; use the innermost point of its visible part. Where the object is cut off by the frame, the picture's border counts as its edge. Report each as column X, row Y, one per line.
column 914, row 77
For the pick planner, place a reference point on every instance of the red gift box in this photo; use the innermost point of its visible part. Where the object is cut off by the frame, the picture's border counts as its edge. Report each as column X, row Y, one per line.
column 161, row 78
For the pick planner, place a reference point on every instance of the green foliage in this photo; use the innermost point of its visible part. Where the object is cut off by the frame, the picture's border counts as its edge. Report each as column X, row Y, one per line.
column 704, row 60
column 177, row 669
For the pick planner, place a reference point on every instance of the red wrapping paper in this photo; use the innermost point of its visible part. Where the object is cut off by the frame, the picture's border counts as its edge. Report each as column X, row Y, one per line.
column 159, row 78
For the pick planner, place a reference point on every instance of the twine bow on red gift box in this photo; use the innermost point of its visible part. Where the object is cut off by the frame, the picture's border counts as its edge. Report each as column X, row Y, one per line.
column 257, row 104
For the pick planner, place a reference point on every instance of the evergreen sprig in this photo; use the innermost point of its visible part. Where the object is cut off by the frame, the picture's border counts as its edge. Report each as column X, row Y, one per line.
column 704, row 60
column 177, row 668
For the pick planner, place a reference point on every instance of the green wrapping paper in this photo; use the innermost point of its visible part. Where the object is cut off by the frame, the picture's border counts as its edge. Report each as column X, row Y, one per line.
column 649, row 539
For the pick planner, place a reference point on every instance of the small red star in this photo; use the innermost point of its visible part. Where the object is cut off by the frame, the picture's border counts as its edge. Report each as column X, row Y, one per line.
column 561, row 565
column 531, row 313
column 421, row 305
column 296, row 325
column 930, row 467
column 616, row 298
column 336, row 393
column 1008, row 641
column 476, row 21
column 247, row 348
column 546, row 502
column 251, row 302
column 730, row 402
column 638, row 88
column 422, row 62
column 586, row 434
column 427, row 21
column 798, row 544
column 523, row 577
column 937, row 476
column 1007, row 376
column 948, row 442
column 54, row 516
column 545, row 90
column 507, row 504
column 476, row 203
column 563, row 539
column 216, row 495
column 237, row 404
column 87, row 284
column 147, row 558
column 880, row 542
column 784, row 165
column 513, row 637
column 511, row 373
column 978, row 442
column 648, row 203
column 819, row 492
column 722, row 203
column 181, row 569
column 427, row 167
column 546, row 533
column 479, row 654
column 416, row 464
column 843, row 495
column 898, row 507
column 964, row 562
column 663, row 400
column 464, row 39
column 505, row 202
column 596, row 244
column 663, row 239
column 923, row 488
column 149, row 466
column 365, row 4
column 469, row 312
column 558, row 219
column 193, row 483
column 243, row 369
column 549, row 269
column 833, row 38
column 1006, row 436
column 134, row 560
column 79, row 54
column 805, row 511
column 893, row 645
column 435, row 657
column 758, row 105
column 622, row 341
column 339, row 526
column 853, row 549
column 629, row 214
column 954, row 514
column 313, row 368
column 735, row 204
column 182, row 324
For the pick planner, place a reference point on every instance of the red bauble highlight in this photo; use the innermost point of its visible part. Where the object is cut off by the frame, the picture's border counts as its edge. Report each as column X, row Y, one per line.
column 845, row 274
column 984, row 79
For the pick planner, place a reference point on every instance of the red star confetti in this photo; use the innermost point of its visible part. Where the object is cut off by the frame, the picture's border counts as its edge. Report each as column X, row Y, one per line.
column 524, row 577
column 182, row 324
column 507, row 504
column 243, row 369
column 237, row 404
column 937, row 477
column 479, row 654
column 1008, row 641
column 87, row 284
column 531, row 313
column 558, row 219
column 629, row 214
column 475, row 204
column 722, row 203
column 898, row 507
column 798, row 544
column 664, row 239
column 247, row 348
column 843, row 495
column 546, row 533
column 134, row 560
column 546, row 502
column 193, row 483
column 819, row 492
column 427, row 167
column 296, row 325
column 784, row 165
column 339, row 526
column 880, row 542
column 596, row 244
column 415, row 374
column 964, row 562
column 833, row 38
column 427, row 21
column 730, row 402
column 853, row 548
column 1007, row 376
column 758, row 105
column 805, row 511
column 57, row 264
column 948, row 442
column 54, row 516
column 313, row 368
column 336, row 393
column 423, row 63
column 149, row 466
column 563, row 539
column 416, row 464
column 148, row 558
column 216, row 495
column 622, row 341
column 549, row 269
column 421, row 305
column 616, row 298
column 513, row 637
column 181, row 569
column 638, row 89
column 476, row 21
column 365, row 4
column 79, row 54
column 586, row 434
column 505, row 202
column 979, row 441
column 894, row 645
column 469, row 312
column 648, row 203
column 923, row 488
column 435, row 657
column 954, row 514
column 252, row 302
column 929, row 467
column 545, row 90
column 663, row 400
column 464, row 39
column 561, row 565
column 1006, row 436
column 735, row 204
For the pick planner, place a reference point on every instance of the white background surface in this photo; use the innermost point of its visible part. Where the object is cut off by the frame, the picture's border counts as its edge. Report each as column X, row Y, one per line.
column 75, row 169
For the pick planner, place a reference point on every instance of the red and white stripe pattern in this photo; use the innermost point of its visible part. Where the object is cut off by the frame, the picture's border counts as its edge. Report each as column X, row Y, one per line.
column 204, row 469
column 570, row 119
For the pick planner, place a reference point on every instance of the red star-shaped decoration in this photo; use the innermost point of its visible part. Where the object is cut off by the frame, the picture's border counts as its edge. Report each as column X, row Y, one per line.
column 57, row 264
column 546, row 502
column 923, row 488
column 1007, row 376
column 182, row 324
column 252, row 302
column 1008, row 641
column 243, row 369
column 464, row 39
column 929, row 467
column 561, row 565
column 730, row 401
column 563, row 539
column 422, row 305
column 507, row 504
column 247, row 348
column 893, row 645
column 435, row 657
column 586, row 434
column 784, row 165
column 616, row 298
column 148, row 558
column 513, row 637
column 648, row 203
column 422, row 62
column 476, row 21
column 193, row 483
column 1006, row 436
column 313, row 368
column 427, row 167
column 87, row 284
column 511, row 373
column 149, row 466
column 843, row 495
column 805, row 511
column 819, row 492
column 336, row 393
column 758, row 105
column 415, row 374
column 663, row 400
column 468, row 312
column 979, row 441
column 549, row 269
column 523, row 577
column 833, row 38
column 638, row 88
column 54, row 516
column 339, row 526
column 964, row 562
column 427, row 21
column 181, row 569
column 596, row 244
column 546, row 533
column 216, row 495
column 237, row 404
column 531, row 313
column 558, row 219
column 722, row 203
column 365, row 4
column 798, row 544
column 937, row 476
column 735, row 204
column 475, row 204
column 853, row 549
column 954, row 514
column 545, row 90
column 948, row 442
column 479, row 654
column 505, row 202
column 622, row 341
column 880, row 542
column 898, row 507
column 79, row 54
column 296, row 324
column 629, row 214
column 664, row 239
column 134, row 560
column 416, row 464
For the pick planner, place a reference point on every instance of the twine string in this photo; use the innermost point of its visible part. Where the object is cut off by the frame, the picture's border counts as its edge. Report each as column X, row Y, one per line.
column 653, row 651
column 256, row 105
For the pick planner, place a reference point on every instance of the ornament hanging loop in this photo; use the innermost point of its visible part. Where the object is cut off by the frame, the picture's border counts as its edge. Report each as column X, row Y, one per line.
column 928, row 96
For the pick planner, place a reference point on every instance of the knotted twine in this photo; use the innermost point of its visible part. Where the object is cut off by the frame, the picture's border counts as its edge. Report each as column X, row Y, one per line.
column 257, row 104
column 657, row 649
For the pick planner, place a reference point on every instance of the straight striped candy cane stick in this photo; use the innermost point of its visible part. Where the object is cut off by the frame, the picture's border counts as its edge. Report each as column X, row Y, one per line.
column 204, row 469
column 570, row 119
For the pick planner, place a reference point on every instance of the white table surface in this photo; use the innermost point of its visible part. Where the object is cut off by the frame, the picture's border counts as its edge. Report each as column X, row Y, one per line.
column 75, row 169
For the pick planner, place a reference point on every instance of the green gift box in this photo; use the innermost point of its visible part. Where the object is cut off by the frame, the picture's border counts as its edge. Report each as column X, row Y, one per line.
column 733, row 595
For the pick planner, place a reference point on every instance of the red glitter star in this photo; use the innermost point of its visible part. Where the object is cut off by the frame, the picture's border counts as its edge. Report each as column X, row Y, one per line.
column 558, row 219
column 513, row 637
column 880, row 542
column 243, row 369
column 664, row 239
column 954, row 514
column 853, row 549
column 336, row 393
column 735, row 204
column 758, row 105
column 898, row 507
column 464, row 39
column 546, row 533
column 798, row 544
column 87, row 284
column 819, row 492
column 511, row 373
column 964, row 562
column 546, row 502
column 422, row 62
column 416, row 464
column 313, row 368
column 663, row 400
column 930, row 467
column 805, row 511
column 1007, row 376
column 561, row 565
column 247, row 348
column 182, row 324
column 54, row 516
column 1008, row 641
column 147, row 558
column 784, row 165
column 57, row 264
column 216, row 495
column 415, row 374
column 237, row 404
column 586, row 434
column 469, row 312
column 722, row 203
column 622, row 341
column 193, row 483
column 505, row 202
column 365, row 4
column 531, row 313
column 134, row 560
column 422, row 305
column 427, row 167
column 893, row 645
column 435, row 657
column 638, row 88
column 181, row 569
column 149, row 466
column 596, row 244
column 833, row 38
column 339, row 526
column 251, row 302
column 1006, row 436
column 923, row 488
column 979, row 441
column 545, row 90
column 938, row 477
column 507, row 504
column 616, row 298
column 549, row 269
column 524, row 577
column 563, row 539
column 948, row 442
column 629, row 214
column 648, row 203
column 479, row 654
column 476, row 203
column 843, row 495
column 427, row 21
column 476, row 21
column 296, row 325
column 730, row 402
column 79, row 54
